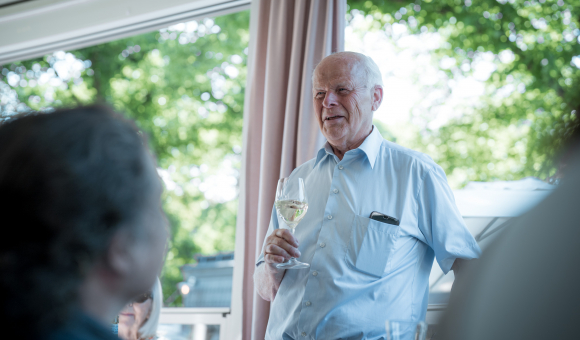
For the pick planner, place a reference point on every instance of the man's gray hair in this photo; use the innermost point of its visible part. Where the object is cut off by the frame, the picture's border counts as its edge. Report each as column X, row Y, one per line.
column 372, row 71
column 149, row 328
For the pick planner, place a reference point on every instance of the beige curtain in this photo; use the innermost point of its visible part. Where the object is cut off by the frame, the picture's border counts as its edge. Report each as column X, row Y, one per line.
column 287, row 39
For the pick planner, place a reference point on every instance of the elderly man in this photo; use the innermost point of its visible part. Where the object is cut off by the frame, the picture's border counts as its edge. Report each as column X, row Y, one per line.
column 363, row 270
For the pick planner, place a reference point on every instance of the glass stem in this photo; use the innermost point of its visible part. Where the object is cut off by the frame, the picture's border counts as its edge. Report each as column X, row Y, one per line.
column 292, row 232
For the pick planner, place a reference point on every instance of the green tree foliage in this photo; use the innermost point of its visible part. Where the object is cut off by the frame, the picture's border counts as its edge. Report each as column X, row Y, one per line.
column 532, row 99
column 184, row 86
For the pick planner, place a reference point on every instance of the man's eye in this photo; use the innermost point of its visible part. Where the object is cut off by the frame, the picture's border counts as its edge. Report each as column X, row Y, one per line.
column 319, row 94
column 342, row 90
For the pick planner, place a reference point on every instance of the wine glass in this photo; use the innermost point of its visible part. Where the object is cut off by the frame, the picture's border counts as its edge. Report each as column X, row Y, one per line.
column 291, row 205
column 405, row 330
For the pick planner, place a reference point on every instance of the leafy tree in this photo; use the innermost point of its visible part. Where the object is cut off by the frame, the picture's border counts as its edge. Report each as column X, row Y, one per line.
column 531, row 103
column 184, row 86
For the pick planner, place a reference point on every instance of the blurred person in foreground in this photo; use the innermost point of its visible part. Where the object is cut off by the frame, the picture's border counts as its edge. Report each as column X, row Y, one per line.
column 80, row 205
column 363, row 271
column 525, row 286
column 140, row 317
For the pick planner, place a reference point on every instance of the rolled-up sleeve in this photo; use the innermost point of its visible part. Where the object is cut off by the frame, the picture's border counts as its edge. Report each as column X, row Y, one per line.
column 273, row 226
column 441, row 223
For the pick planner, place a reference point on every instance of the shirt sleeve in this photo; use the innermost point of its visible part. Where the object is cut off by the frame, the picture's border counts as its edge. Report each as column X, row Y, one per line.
column 441, row 223
column 273, row 226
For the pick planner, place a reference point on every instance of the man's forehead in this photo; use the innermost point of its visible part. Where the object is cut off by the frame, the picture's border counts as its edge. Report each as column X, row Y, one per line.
column 338, row 71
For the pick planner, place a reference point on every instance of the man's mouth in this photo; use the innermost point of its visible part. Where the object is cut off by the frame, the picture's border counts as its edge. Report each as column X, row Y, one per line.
column 333, row 117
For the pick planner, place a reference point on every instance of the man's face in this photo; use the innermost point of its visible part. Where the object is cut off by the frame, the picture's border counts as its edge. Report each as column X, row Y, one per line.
column 343, row 103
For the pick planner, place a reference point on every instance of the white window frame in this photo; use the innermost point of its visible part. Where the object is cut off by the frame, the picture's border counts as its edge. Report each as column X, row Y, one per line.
column 205, row 316
column 34, row 28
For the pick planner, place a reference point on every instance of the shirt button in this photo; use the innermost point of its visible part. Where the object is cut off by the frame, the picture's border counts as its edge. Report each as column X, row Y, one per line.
column 307, row 303
column 322, row 244
column 340, row 167
column 314, row 273
column 335, row 191
column 303, row 334
column 329, row 217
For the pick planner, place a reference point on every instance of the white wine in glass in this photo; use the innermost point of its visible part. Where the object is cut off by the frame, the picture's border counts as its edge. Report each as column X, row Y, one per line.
column 291, row 205
column 291, row 212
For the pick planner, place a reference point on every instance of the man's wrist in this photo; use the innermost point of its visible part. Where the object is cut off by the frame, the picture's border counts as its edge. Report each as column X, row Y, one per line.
column 272, row 269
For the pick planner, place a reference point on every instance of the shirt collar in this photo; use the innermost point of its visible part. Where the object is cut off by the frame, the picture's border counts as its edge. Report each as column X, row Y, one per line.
column 370, row 146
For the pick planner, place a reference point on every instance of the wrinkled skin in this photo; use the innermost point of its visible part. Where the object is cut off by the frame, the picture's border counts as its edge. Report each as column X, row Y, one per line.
column 344, row 101
column 132, row 318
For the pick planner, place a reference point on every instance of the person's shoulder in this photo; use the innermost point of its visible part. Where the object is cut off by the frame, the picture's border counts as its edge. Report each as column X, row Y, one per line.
column 304, row 169
column 81, row 327
column 407, row 157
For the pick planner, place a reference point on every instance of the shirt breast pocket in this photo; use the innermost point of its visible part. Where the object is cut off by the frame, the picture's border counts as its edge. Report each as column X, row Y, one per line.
column 371, row 246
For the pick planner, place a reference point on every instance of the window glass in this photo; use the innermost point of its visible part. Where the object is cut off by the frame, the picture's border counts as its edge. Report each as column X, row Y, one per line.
column 487, row 88
column 184, row 86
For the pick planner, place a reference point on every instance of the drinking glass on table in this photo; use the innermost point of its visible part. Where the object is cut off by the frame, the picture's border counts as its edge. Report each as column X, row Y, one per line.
column 405, row 330
column 291, row 205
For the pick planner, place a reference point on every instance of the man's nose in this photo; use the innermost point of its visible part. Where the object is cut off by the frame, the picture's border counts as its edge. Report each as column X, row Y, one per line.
column 330, row 100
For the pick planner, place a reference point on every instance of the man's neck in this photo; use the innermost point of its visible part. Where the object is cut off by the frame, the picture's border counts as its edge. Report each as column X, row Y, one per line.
column 129, row 333
column 339, row 151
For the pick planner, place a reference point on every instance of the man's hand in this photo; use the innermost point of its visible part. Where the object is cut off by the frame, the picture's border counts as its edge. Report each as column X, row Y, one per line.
column 281, row 245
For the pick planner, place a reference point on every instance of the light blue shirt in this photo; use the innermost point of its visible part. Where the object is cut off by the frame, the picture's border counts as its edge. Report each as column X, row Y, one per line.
column 363, row 271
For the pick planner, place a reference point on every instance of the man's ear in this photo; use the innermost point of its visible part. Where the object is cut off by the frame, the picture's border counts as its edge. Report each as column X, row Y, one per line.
column 377, row 97
column 119, row 259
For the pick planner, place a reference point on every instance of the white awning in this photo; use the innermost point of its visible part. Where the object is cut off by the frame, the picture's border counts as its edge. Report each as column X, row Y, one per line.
column 487, row 208
column 501, row 199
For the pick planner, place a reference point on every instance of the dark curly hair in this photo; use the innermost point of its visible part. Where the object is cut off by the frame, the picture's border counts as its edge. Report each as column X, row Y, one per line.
column 68, row 181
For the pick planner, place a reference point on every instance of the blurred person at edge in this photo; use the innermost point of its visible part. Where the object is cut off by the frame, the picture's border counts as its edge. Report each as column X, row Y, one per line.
column 81, row 197
column 363, row 271
column 567, row 154
column 139, row 318
column 525, row 286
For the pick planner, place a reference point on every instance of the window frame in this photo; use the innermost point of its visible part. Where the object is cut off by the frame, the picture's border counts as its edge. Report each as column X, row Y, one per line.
column 38, row 28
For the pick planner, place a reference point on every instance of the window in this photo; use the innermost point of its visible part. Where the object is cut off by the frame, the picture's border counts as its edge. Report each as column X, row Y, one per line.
column 184, row 86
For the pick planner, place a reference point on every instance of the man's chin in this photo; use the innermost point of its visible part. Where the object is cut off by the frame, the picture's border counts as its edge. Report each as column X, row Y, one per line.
column 334, row 135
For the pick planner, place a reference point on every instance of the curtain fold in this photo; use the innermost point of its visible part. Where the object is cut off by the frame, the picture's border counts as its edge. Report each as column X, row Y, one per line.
column 287, row 40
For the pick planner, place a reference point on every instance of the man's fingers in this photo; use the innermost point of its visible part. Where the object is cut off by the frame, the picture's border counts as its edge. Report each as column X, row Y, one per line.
column 283, row 244
column 274, row 258
column 287, row 235
column 273, row 249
